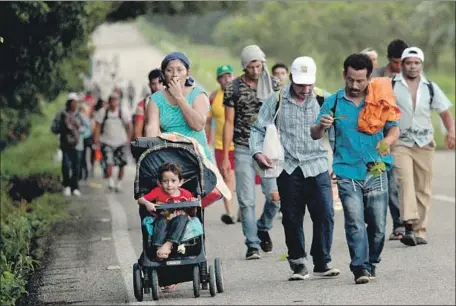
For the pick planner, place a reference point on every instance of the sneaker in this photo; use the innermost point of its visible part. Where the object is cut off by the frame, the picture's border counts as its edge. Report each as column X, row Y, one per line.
column 266, row 243
column 421, row 241
column 67, row 191
column 361, row 276
column 227, row 219
column 118, row 187
column 252, row 253
column 409, row 236
column 299, row 273
column 76, row 193
column 372, row 272
column 326, row 271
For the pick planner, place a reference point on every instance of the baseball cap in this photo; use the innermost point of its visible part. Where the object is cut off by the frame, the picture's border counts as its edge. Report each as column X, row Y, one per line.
column 73, row 96
column 413, row 52
column 304, row 71
column 224, row 69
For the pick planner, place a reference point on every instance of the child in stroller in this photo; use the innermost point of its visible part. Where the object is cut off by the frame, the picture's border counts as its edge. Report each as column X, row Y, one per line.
column 169, row 225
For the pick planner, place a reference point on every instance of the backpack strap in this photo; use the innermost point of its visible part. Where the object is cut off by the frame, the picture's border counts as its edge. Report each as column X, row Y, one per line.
column 278, row 104
column 104, row 121
column 236, row 85
column 320, row 100
column 431, row 91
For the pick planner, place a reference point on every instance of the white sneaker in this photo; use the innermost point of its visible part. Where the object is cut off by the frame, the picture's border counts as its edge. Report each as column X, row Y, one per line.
column 118, row 187
column 76, row 193
column 67, row 191
column 110, row 184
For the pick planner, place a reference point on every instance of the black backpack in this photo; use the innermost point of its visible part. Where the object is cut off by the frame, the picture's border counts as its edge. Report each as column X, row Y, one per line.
column 106, row 117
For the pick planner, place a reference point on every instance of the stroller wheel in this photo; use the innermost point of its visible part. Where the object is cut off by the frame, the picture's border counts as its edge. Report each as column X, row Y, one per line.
column 203, row 275
column 196, row 281
column 211, row 281
column 219, row 275
column 154, row 284
column 137, row 282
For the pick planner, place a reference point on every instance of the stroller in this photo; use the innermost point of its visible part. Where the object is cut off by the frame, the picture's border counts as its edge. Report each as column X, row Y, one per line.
column 152, row 274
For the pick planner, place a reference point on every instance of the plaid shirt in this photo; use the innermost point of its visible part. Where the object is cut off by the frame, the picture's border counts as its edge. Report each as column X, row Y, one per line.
column 294, row 122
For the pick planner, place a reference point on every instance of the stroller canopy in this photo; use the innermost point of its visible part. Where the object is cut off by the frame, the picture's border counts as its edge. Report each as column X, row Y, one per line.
column 152, row 152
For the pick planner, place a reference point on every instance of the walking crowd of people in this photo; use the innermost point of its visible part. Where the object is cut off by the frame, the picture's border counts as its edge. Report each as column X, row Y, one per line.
column 380, row 138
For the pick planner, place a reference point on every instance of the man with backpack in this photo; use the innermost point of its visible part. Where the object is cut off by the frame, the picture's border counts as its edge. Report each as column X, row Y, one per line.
column 305, row 179
column 417, row 97
column 68, row 124
column 242, row 100
column 112, row 134
column 155, row 84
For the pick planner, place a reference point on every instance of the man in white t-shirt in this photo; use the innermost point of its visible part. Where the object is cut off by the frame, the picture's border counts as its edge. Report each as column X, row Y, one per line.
column 112, row 133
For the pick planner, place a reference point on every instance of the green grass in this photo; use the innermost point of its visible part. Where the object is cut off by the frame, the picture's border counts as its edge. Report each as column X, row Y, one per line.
column 22, row 224
column 35, row 154
column 206, row 58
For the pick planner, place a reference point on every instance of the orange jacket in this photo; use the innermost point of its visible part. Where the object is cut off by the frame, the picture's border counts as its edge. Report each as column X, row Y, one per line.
column 380, row 106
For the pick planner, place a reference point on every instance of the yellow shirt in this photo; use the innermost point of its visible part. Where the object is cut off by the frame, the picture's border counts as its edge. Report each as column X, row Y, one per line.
column 218, row 113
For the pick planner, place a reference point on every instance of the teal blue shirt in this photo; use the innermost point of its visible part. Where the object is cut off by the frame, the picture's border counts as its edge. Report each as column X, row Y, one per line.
column 172, row 119
column 353, row 149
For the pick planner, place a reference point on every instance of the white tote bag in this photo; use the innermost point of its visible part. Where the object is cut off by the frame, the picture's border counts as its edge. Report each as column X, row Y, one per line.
column 272, row 147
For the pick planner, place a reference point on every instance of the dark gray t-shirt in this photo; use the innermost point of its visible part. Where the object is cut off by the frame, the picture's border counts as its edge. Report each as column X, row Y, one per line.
column 380, row 72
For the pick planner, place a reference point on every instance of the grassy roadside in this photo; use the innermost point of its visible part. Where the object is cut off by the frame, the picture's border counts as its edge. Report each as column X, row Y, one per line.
column 206, row 58
column 25, row 225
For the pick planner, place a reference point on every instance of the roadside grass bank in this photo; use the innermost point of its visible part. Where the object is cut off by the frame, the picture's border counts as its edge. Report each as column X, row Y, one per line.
column 31, row 203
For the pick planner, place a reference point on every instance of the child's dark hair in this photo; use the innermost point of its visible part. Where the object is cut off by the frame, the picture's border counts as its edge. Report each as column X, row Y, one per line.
column 395, row 48
column 279, row 65
column 174, row 168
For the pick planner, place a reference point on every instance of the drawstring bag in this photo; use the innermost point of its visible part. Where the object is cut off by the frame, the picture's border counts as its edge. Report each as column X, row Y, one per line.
column 272, row 147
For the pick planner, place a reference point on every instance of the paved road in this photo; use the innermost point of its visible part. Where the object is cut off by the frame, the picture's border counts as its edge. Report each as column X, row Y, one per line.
column 91, row 257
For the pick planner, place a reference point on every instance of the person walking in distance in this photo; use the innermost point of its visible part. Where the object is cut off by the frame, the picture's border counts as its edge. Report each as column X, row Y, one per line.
column 225, row 74
column 305, row 179
column 280, row 71
column 394, row 54
column 112, row 133
column 364, row 195
column 155, row 84
column 417, row 97
column 242, row 100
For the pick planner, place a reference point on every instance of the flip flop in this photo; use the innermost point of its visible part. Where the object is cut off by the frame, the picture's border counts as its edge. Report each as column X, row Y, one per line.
column 169, row 288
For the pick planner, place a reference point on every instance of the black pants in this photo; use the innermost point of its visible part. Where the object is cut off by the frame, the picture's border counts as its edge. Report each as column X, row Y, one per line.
column 71, row 168
column 297, row 192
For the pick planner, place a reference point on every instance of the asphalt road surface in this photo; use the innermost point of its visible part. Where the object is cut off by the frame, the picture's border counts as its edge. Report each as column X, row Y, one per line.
column 92, row 254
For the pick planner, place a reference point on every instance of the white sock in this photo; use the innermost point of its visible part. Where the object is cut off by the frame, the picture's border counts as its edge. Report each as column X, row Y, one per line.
column 111, row 182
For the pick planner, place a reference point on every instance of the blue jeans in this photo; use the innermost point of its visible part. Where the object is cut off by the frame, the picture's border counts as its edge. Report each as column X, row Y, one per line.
column 364, row 202
column 71, row 167
column 295, row 192
column 393, row 202
column 245, row 191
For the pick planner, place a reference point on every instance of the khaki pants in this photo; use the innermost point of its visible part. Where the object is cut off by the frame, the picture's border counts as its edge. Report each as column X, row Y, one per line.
column 413, row 166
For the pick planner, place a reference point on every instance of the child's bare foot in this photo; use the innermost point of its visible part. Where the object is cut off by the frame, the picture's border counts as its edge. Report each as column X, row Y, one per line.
column 164, row 251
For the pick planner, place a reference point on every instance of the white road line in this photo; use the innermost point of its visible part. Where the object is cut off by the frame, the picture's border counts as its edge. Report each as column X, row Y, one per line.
column 125, row 251
column 444, row 198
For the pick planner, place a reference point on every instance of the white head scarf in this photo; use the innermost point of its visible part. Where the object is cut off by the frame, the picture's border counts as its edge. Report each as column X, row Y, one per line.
column 254, row 53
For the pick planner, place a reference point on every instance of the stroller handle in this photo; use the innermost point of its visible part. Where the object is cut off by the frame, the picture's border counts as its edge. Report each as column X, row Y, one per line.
column 178, row 205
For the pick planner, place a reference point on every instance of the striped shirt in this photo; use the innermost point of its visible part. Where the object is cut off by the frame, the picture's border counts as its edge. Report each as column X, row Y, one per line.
column 294, row 121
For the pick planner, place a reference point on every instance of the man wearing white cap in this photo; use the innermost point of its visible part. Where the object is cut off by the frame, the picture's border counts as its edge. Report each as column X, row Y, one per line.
column 305, row 180
column 417, row 97
column 242, row 99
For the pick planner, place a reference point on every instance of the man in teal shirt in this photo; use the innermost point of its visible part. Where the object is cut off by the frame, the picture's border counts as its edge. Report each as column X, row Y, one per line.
column 364, row 195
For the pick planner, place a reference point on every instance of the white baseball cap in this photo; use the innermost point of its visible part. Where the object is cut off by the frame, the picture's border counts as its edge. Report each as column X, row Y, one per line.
column 73, row 96
column 304, row 71
column 412, row 52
